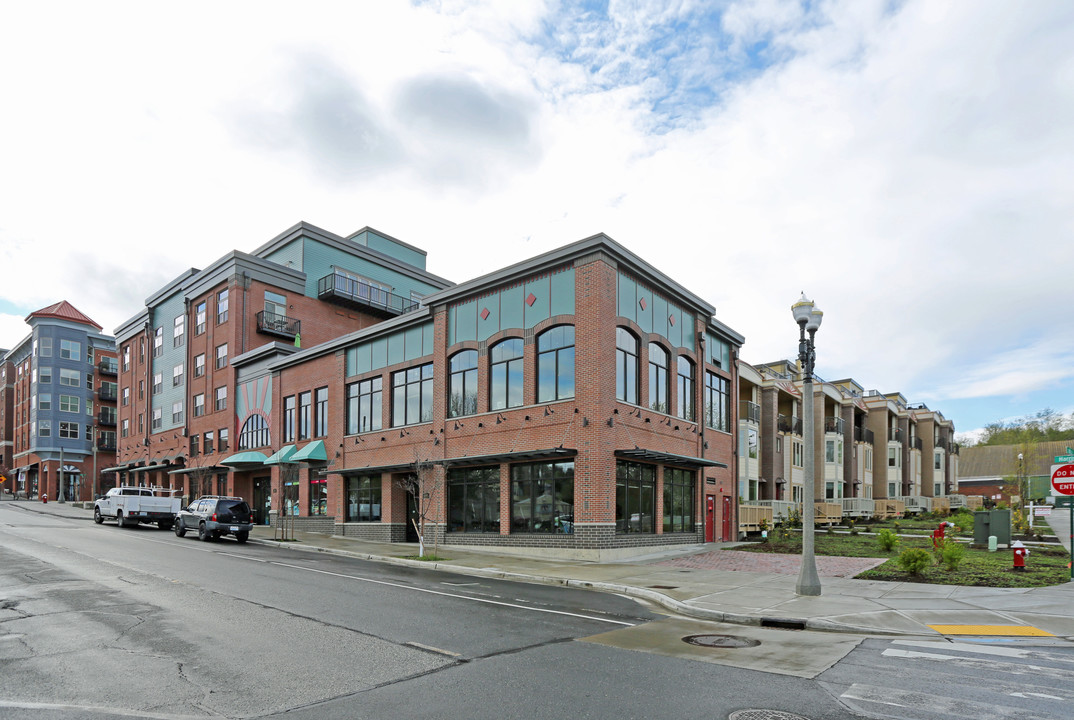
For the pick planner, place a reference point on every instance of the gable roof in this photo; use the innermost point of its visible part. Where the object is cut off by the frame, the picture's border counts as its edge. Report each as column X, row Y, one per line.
column 1002, row 460
column 64, row 310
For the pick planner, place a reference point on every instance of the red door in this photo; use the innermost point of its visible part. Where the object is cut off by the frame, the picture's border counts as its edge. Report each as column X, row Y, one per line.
column 710, row 518
column 727, row 518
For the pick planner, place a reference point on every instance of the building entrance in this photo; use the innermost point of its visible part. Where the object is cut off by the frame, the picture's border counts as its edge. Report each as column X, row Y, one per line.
column 262, row 500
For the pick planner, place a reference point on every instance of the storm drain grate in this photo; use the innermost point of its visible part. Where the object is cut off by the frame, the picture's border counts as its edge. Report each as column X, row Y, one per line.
column 752, row 714
column 721, row 641
column 663, row 587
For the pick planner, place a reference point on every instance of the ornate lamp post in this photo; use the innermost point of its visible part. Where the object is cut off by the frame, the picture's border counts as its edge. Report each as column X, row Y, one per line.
column 808, row 318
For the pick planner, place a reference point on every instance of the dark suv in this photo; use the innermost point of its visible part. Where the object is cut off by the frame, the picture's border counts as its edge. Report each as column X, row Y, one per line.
column 213, row 516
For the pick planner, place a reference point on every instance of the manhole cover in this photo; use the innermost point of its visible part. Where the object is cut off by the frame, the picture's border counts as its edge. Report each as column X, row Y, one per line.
column 763, row 715
column 721, row 641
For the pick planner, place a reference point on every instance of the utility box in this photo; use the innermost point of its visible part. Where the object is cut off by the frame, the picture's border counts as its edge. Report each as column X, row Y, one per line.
column 992, row 522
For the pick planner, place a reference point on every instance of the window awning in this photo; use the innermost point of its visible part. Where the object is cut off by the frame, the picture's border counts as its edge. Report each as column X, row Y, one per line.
column 117, row 468
column 664, row 458
column 149, row 467
column 373, row 469
column 517, row 456
column 248, row 457
column 314, row 452
column 188, row 470
column 281, row 456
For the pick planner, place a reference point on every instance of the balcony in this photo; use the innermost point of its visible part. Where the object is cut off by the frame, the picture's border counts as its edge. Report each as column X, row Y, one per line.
column 106, row 444
column 833, row 425
column 269, row 323
column 108, row 366
column 350, row 292
column 942, row 444
column 107, row 416
column 918, row 445
column 894, row 435
column 107, row 392
column 749, row 411
column 790, row 424
column 863, row 435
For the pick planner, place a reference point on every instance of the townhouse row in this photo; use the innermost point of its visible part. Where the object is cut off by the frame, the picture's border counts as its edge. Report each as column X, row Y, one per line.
column 580, row 401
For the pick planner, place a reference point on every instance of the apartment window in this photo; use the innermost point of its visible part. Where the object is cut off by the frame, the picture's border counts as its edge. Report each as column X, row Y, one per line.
column 177, row 375
column 179, row 331
column 44, row 401
column 141, row 389
column 44, row 375
column 891, row 490
column 658, row 378
column 412, row 395
column 199, row 317
column 126, row 358
column 555, row 364
column 126, row 428
column 289, row 419
column 126, row 399
column 158, row 341
column 626, row 366
column 113, row 386
column 320, row 412
column 46, row 346
column 221, row 356
column 462, row 397
column 304, row 416
column 505, row 374
column 141, row 350
column 220, row 402
column 199, row 365
column 797, row 454
column 275, row 304
column 70, row 378
column 199, row 404
column 141, row 423
column 158, row 419
column 685, row 387
column 158, row 383
column 221, row 306
column 473, row 499
column 44, row 428
column 70, row 350
column 222, row 434
column 937, row 461
column 208, row 442
column 177, row 412
column 364, row 405
column 195, row 445
column 678, row 500
column 363, row 498
column 717, row 402
column 635, row 497
column 89, row 409
column 893, row 457
column 752, row 441
column 542, row 498
column 318, row 493
column 69, row 430
column 69, row 403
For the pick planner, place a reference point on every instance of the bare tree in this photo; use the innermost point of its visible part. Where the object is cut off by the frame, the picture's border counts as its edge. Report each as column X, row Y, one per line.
column 423, row 484
column 285, row 521
column 202, row 472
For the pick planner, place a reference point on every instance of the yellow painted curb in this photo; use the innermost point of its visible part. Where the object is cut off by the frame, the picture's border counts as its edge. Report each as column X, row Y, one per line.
column 1012, row 630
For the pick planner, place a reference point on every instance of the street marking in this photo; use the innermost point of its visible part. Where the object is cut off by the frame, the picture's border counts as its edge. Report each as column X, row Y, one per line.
column 1012, row 668
column 1005, row 630
column 432, row 649
column 935, row 705
column 452, row 595
column 985, row 649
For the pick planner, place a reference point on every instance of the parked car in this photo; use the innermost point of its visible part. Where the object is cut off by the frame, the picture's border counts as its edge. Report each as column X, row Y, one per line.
column 129, row 506
column 213, row 516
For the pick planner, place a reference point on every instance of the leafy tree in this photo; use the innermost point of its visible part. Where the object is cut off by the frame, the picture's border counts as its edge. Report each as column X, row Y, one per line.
column 1043, row 426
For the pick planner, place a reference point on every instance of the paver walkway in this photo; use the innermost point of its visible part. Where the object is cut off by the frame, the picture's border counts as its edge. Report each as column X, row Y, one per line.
column 827, row 566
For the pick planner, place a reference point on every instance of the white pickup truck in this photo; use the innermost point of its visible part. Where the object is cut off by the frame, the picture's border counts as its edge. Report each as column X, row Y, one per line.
column 134, row 505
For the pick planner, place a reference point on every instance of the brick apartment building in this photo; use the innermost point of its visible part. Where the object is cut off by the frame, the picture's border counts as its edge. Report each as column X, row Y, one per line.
column 57, row 406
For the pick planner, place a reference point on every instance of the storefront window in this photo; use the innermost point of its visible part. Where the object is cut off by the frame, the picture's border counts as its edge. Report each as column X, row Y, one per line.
column 290, row 497
column 363, row 498
column 678, row 500
column 635, row 497
column 318, row 494
column 474, row 500
column 542, row 498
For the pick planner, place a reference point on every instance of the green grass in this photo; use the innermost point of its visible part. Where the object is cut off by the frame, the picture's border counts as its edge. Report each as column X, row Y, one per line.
column 1045, row 565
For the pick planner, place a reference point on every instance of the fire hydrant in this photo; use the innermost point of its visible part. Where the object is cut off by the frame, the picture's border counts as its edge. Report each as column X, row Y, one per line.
column 44, row 498
column 1020, row 552
column 938, row 534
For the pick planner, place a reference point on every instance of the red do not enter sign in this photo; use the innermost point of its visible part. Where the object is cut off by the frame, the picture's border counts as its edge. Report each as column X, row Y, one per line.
column 1063, row 479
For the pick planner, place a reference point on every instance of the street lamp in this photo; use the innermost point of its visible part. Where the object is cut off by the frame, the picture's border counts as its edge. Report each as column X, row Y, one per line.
column 808, row 318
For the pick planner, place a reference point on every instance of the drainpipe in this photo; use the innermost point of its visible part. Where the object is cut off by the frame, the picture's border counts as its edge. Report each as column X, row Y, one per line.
column 244, row 284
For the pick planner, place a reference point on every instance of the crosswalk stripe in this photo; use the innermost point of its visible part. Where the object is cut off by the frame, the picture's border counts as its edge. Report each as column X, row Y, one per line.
column 936, row 705
column 984, row 664
column 986, row 650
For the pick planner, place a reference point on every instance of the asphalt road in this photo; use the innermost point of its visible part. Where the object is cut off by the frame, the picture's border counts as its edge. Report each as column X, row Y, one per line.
column 103, row 622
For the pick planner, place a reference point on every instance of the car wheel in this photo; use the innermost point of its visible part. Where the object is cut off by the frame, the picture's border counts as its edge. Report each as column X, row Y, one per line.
column 120, row 521
column 242, row 536
column 97, row 516
column 203, row 534
column 179, row 528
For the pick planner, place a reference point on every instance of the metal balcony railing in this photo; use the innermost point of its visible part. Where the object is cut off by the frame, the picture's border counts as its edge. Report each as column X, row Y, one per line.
column 833, row 424
column 270, row 323
column 107, row 393
column 918, row 445
column 108, row 366
column 863, row 435
column 749, row 411
column 106, row 444
column 351, row 292
column 791, row 424
column 107, row 416
column 895, row 435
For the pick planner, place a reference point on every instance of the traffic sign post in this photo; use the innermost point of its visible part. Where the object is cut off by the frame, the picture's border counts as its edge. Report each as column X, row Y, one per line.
column 1063, row 484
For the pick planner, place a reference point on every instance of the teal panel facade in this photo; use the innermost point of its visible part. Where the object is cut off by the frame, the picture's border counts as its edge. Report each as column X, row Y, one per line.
column 466, row 322
column 539, row 310
column 290, row 256
column 413, row 343
column 164, row 315
column 719, row 351
column 396, row 348
column 654, row 313
column 392, row 248
column 562, row 292
column 320, row 260
column 511, row 305
column 400, row 346
column 490, row 325
column 627, row 294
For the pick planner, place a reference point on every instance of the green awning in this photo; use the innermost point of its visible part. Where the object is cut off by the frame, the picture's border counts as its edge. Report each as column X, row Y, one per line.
column 314, row 452
column 249, row 457
column 281, row 456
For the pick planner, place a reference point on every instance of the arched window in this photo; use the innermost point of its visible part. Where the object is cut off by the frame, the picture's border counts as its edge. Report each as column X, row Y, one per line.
column 462, row 394
column 505, row 374
column 555, row 363
column 254, row 433
column 685, row 386
column 626, row 366
column 658, row 378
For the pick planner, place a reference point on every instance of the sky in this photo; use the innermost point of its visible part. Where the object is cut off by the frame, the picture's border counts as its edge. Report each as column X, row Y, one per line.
column 907, row 165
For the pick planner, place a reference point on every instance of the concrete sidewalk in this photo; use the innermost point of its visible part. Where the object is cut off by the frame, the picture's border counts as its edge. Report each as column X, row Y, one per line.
column 725, row 585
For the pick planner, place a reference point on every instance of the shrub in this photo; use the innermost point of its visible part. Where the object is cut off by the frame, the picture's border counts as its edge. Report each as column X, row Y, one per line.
column 915, row 560
column 952, row 554
column 897, row 525
column 887, row 540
